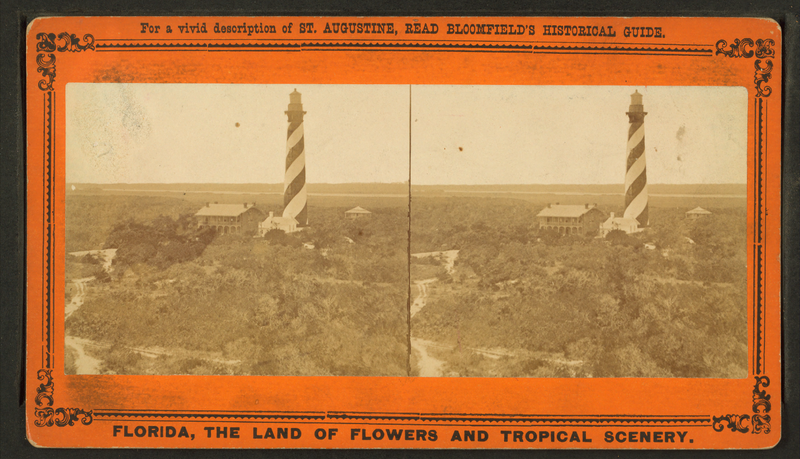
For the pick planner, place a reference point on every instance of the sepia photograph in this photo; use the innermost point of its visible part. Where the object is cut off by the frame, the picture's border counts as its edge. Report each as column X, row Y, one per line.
column 236, row 229
column 548, row 236
column 552, row 238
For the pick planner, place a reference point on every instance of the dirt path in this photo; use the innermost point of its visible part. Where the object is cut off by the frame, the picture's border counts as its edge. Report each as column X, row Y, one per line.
column 77, row 299
column 107, row 255
column 428, row 366
column 422, row 295
column 448, row 257
column 672, row 280
column 84, row 364
column 87, row 365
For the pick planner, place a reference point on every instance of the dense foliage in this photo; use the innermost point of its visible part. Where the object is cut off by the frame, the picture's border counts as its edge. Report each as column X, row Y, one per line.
column 583, row 306
column 160, row 243
column 324, row 301
column 89, row 219
column 332, row 299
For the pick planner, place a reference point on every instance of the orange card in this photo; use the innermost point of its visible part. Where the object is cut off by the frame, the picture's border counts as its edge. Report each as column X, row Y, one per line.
column 388, row 232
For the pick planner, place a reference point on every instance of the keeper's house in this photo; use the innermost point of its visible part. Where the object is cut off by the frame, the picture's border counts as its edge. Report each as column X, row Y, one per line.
column 230, row 218
column 571, row 219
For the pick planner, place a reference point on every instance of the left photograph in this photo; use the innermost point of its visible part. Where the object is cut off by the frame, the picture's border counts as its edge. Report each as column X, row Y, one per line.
column 236, row 229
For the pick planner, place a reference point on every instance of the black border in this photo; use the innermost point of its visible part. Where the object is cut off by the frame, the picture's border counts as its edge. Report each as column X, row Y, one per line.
column 15, row 18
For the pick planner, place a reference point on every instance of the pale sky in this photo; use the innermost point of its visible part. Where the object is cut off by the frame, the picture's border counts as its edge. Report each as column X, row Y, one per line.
column 575, row 134
column 159, row 133
column 187, row 133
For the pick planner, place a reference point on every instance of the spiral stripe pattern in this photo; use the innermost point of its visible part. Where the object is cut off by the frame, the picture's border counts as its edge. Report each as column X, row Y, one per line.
column 636, row 171
column 295, row 195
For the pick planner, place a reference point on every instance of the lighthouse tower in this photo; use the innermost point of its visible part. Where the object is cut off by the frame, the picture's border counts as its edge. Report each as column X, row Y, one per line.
column 294, row 182
column 635, row 172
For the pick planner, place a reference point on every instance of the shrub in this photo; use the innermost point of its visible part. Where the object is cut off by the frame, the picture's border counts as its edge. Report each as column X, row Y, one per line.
column 160, row 243
column 618, row 237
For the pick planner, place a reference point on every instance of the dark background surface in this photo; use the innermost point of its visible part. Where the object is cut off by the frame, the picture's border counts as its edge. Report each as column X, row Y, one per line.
column 16, row 14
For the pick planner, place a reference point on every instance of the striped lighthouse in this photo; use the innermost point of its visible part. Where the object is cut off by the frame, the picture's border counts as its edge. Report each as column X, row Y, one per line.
column 635, row 172
column 294, row 182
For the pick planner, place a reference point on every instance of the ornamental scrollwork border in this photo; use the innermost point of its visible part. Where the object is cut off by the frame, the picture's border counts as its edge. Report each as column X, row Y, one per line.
column 759, row 421
column 46, row 415
column 744, row 48
column 747, row 48
column 48, row 44
column 762, row 76
column 47, row 67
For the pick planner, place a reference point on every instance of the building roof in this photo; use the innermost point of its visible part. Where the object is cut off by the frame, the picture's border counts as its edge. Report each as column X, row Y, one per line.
column 564, row 210
column 224, row 210
column 621, row 221
column 358, row 210
column 699, row 210
column 279, row 220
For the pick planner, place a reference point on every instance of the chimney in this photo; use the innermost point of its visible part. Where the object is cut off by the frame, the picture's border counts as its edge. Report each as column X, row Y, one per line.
column 216, row 202
column 612, row 215
column 557, row 203
column 245, row 205
column 586, row 206
column 548, row 205
column 270, row 214
column 208, row 204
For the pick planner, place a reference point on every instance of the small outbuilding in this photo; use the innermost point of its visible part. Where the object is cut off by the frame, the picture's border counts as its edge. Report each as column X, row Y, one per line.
column 285, row 224
column 629, row 225
column 697, row 212
column 357, row 212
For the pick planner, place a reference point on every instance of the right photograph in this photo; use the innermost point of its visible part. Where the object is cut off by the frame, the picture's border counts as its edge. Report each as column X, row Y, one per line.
column 579, row 231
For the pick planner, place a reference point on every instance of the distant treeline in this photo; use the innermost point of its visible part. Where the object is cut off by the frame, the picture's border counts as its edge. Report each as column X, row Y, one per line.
column 366, row 188
column 90, row 219
column 402, row 188
column 653, row 188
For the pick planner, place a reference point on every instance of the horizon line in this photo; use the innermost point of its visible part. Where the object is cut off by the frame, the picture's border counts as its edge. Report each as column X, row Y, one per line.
column 395, row 183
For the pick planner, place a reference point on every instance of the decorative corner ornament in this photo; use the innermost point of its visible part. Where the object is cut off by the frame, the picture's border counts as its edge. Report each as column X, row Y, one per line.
column 743, row 48
column 47, row 67
column 46, row 415
column 764, row 48
column 73, row 44
column 762, row 77
column 47, row 61
column 761, row 406
column 738, row 48
column 47, row 42
column 759, row 421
